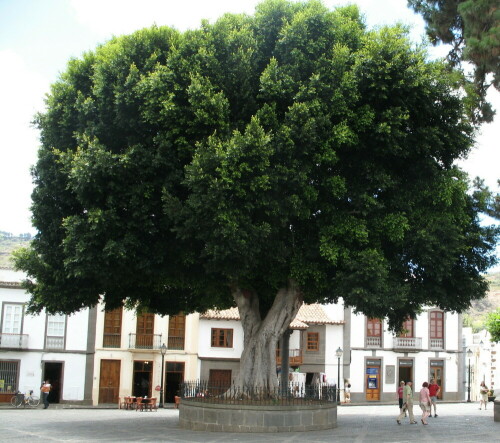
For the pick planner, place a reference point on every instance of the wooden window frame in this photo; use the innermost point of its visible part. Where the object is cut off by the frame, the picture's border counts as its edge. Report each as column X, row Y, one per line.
column 221, row 337
column 373, row 321
column 113, row 321
column 435, row 335
column 312, row 344
column 408, row 325
column 176, row 332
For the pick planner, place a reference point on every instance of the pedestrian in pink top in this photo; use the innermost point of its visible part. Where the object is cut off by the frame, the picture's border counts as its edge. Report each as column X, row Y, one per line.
column 425, row 402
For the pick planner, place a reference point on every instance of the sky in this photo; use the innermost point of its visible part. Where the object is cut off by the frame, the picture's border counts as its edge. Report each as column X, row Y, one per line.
column 38, row 37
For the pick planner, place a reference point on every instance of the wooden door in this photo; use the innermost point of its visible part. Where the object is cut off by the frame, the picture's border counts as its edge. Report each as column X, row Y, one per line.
column 437, row 374
column 109, row 383
column 372, row 383
column 145, row 329
column 219, row 381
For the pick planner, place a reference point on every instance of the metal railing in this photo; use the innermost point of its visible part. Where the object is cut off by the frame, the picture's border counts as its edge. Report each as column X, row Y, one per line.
column 407, row 343
column 144, row 341
column 175, row 343
column 14, row 341
column 111, row 340
column 295, row 394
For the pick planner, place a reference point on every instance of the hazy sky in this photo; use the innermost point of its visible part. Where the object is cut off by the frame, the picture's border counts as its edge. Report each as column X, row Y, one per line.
column 38, row 37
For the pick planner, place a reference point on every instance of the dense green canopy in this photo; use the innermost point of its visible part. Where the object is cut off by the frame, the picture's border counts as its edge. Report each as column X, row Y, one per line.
column 291, row 145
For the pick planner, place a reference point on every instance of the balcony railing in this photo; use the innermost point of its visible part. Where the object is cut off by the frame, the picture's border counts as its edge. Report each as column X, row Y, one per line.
column 373, row 342
column 175, row 343
column 144, row 341
column 436, row 343
column 111, row 341
column 54, row 343
column 408, row 343
column 14, row 341
column 294, row 357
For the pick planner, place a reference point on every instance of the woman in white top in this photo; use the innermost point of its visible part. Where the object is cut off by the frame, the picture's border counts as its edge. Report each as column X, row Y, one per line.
column 483, row 392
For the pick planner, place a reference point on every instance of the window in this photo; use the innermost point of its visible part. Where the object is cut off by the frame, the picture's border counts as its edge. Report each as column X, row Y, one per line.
column 145, row 329
column 222, row 338
column 436, row 330
column 9, row 375
column 436, row 324
column 408, row 328
column 313, row 341
column 176, row 331
column 12, row 318
column 373, row 332
column 112, row 328
column 56, row 326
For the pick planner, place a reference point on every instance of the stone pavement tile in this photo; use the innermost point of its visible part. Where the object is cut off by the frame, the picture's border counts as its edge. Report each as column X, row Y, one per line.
column 461, row 422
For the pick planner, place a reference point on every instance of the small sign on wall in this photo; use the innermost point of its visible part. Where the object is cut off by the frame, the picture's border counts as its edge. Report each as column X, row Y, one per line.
column 390, row 374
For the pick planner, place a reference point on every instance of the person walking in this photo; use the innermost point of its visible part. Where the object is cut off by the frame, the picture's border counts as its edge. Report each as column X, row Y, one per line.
column 408, row 403
column 483, row 392
column 347, row 393
column 434, row 391
column 424, row 400
column 45, row 388
column 401, row 388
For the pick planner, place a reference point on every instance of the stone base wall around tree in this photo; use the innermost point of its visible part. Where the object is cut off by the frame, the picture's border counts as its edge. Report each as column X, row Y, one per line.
column 199, row 416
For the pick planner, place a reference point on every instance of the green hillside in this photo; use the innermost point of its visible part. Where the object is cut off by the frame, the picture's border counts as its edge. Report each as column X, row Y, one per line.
column 9, row 243
column 476, row 315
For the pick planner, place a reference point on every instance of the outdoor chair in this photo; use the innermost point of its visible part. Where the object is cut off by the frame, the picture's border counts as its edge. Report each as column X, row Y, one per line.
column 139, row 404
column 151, row 404
column 129, row 403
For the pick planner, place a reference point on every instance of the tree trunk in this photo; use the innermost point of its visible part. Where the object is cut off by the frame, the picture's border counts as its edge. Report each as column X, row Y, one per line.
column 258, row 360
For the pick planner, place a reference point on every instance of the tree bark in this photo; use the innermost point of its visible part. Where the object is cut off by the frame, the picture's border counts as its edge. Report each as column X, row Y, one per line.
column 258, row 360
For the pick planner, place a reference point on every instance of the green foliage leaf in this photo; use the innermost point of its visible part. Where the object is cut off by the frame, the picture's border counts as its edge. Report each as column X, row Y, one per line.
column 291, row 144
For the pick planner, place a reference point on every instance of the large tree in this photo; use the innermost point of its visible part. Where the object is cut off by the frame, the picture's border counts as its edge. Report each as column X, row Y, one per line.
column 472, row 28
column 260, row 162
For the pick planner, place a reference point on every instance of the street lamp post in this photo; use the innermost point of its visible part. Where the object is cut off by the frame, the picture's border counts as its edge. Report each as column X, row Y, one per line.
column 469, row 354
column 163, row 350
column 338, row 354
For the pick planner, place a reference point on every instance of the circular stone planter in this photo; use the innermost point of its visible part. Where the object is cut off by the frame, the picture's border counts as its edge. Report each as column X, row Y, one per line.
column 201, row 416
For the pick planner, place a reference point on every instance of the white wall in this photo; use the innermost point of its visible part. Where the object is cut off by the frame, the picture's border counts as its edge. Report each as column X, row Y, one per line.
column 334, row 336
column 452, row 323
column 32, row 358
column 421, row 358
column 205, row 333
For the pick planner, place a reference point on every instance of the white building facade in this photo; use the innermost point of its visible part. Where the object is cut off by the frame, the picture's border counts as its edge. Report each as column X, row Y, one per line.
column 481, row 363
column 34, row 348
column 97, row 357
column 315, row 334
column 132, row 348
column 430, row 347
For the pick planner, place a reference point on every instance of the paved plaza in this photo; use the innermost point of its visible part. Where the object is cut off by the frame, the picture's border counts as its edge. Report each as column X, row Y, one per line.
column 367, row 423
